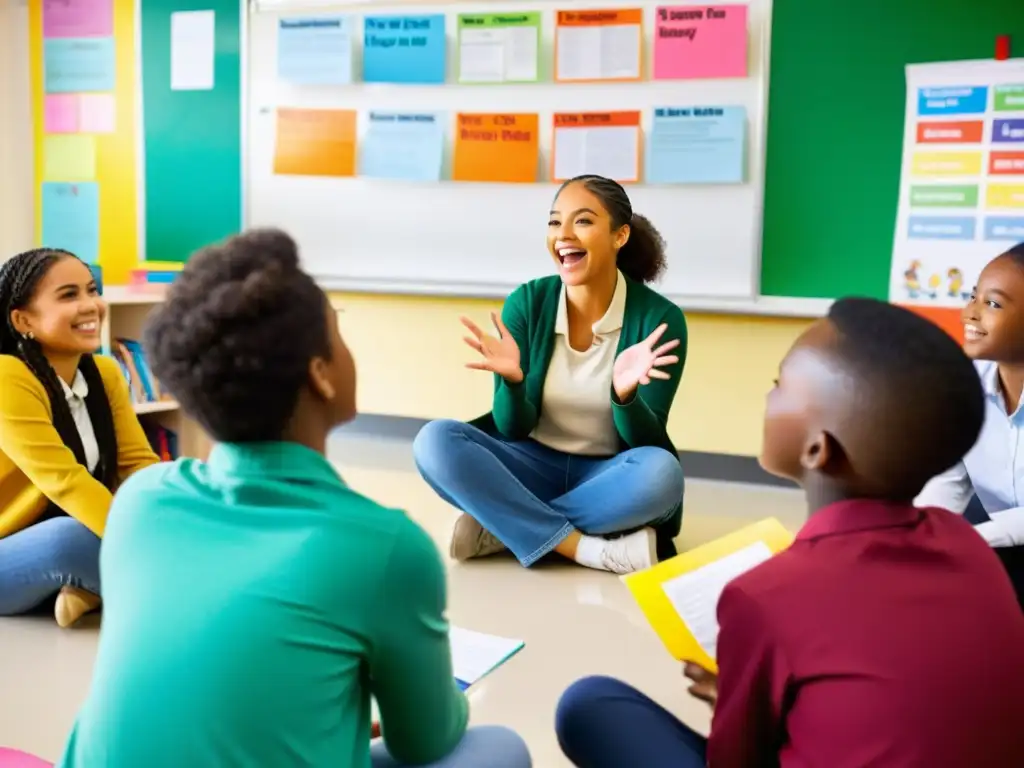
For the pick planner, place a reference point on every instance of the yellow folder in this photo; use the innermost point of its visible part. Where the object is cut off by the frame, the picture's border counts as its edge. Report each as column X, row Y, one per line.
column 679, row 597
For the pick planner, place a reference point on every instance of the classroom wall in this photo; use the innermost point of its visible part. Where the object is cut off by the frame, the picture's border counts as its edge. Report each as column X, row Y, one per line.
column 16, row 205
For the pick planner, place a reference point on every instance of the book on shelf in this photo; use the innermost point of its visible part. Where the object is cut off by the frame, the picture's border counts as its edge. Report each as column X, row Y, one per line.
column 163, row 440
column 142, row 383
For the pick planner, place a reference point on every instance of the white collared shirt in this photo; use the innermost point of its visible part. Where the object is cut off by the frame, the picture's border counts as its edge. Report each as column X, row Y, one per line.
column 576, row 407
column 993, row 469
column 76, row 395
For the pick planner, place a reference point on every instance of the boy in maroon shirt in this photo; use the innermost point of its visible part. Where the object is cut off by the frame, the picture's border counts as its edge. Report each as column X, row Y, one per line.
column 886, row 635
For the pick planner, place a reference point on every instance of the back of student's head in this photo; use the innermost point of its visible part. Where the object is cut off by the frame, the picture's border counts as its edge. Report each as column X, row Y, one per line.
column 914, row 403
column 642, row 258
column 238, row 336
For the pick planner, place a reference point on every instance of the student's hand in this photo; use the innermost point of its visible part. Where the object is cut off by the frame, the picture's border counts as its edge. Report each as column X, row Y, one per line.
column 640, row 363
column 705, row 684
column 500, row 354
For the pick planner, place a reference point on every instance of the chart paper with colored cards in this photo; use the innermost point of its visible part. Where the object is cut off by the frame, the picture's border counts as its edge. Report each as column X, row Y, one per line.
column 961, row 199
column 601, row 143
column 495, row 147
column 499, row 47
column 599, row 44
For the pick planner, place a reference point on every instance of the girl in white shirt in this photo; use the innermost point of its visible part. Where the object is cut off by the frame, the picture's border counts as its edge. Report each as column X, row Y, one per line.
column 988, row 485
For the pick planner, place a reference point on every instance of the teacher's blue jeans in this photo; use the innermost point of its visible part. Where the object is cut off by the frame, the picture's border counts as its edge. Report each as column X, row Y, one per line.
column 531, row 497
column 37, row 561
column 485, row 745
column 604, row 723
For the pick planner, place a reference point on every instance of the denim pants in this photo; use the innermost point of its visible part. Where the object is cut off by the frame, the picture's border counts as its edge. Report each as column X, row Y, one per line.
column 487, row 745
column 37, row 561
column 531, row 497
column 604, row 723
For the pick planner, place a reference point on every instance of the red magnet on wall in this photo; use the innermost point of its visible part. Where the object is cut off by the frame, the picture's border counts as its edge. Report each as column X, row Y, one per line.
column 1002, row 48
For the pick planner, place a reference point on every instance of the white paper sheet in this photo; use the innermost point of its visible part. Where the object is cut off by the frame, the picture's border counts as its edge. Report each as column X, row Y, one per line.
column 695, row 595
column 192, row 50
column 599, row 53
column 610, row 152
column 475, row 654
column 498, row 55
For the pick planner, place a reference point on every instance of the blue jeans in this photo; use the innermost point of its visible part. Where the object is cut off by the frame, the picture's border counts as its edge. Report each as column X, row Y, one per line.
column 485, row 745
column 531, row 497
column 37, row 561
column 604, row 723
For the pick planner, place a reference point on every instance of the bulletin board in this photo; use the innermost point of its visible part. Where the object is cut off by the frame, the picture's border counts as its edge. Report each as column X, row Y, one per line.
column 484, row 238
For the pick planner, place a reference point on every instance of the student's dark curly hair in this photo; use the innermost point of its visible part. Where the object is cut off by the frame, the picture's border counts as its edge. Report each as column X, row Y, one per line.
column 234, row 339
column 916, row 391
column 19, row 278
column 642, row 258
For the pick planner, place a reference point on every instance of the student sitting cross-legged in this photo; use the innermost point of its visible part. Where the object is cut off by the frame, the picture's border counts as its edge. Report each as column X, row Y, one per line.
column 886, row 635
column 68, row 434
column 988, row 485
column 575, row 457
column 254, row 602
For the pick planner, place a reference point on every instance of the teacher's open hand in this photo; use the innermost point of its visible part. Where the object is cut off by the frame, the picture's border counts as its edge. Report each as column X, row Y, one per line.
column 641, row 362
column 500, row 354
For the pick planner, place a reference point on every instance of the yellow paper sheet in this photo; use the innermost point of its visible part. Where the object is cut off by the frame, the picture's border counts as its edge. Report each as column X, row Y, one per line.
column 679, row 597
column 70, row 157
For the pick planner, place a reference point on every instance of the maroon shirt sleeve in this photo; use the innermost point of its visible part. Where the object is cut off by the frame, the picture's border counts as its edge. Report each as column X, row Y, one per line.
column 747, row 729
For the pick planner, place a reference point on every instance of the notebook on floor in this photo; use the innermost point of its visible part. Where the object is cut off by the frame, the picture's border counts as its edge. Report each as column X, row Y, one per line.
column 475, row 655
column 679, row 597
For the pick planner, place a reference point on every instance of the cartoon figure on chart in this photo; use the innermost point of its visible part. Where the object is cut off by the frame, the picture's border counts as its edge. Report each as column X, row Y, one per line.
column 911, row 281
column 934, row 283
column 956, row 285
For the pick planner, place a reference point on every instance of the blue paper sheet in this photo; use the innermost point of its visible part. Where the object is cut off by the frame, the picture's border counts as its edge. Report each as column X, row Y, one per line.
column 78, row 64
column 315, row 51
column 71, row 218
column 402, row 146
column 404, row 49
column 697, row 145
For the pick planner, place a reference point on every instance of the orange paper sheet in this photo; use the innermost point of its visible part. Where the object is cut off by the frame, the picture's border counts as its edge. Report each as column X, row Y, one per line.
column 315, row 142
column 496, row 147
column 615, row 154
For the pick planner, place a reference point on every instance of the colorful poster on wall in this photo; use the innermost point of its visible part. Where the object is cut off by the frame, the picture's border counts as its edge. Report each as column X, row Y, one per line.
column 78, row 18
column 315, row 51
column 601, row 44
column 602, row 143
column 962, row 187
column 700, row 41
column 499, row 47
column 315, row 142
column 404, row 49
column 495, row 147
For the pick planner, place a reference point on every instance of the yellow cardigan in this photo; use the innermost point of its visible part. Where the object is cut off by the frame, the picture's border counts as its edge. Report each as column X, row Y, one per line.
column 35, row 465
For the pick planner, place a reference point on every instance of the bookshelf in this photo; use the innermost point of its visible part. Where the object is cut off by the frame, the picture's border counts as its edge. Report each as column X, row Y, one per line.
column 127, row 311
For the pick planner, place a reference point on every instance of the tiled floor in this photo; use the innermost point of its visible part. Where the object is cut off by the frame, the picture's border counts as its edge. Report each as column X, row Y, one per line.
column 575, row 622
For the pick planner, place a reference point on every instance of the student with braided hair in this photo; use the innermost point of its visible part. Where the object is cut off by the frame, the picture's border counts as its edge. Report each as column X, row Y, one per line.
column 68, row 434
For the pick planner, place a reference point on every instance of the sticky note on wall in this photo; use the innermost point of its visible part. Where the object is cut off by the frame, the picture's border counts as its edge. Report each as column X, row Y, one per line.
column 69, row 158
column 315, row 142
column 71, row 214
column 499, row 47
column 61, row 113
column 495, row 147
column 78, row 65
column 708, row 41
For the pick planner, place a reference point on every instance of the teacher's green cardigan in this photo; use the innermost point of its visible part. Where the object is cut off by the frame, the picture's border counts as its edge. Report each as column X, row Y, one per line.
column 529, row 314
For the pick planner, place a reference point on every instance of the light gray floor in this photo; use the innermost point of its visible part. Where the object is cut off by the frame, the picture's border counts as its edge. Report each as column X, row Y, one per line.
column 575, row 622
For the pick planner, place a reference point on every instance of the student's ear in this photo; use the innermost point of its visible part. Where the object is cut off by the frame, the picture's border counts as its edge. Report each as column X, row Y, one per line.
column 20, row 322
column 320, row 380
column 820, row 450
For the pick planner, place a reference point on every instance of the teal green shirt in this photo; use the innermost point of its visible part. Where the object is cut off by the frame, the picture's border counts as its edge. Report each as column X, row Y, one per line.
column 530, row 313
column 252, row 606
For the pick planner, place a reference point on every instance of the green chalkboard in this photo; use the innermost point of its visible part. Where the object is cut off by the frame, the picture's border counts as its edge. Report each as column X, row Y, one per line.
column 835, row 129
column 192, row 139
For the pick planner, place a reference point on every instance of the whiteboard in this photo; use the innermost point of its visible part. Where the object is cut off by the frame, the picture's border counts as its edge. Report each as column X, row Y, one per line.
column 461, row 238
